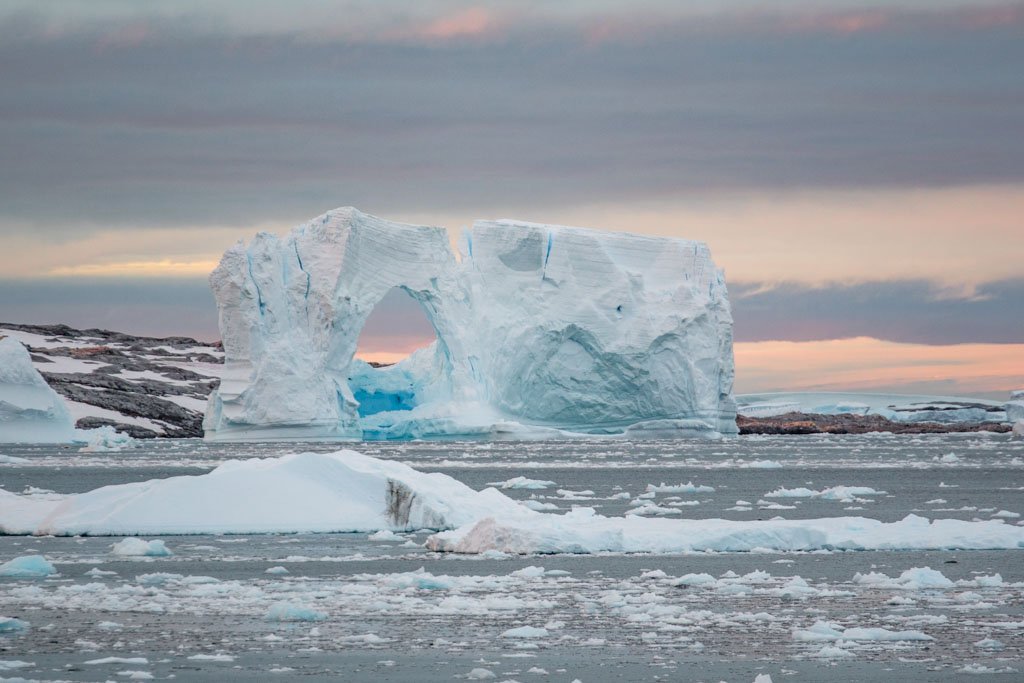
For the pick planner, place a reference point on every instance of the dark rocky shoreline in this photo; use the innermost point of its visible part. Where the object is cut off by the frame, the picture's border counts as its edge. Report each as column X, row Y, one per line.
column 814, row 423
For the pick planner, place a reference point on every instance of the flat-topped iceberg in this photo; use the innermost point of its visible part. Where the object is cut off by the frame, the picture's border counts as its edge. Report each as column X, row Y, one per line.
column 541, row 329
column 30, row 411
column 583, row 531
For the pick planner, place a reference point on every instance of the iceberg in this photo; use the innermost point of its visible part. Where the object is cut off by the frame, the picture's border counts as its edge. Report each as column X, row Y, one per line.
column 541, row 330
column 347, row 491
column 30, row 411
column 583, row 531
column 304, row 492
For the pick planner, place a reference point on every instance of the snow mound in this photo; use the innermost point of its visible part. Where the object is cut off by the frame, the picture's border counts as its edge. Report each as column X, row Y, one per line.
column 27, row 567
column 541, row 329
column 30, row 411
column 305, row 492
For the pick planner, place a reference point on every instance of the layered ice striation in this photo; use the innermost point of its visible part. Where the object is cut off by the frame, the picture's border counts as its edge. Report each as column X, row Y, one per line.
column 541, row 330
column 30, row 411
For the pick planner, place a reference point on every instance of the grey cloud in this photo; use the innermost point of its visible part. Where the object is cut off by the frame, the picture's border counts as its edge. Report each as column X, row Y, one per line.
column 912, row 311
column 196, row 127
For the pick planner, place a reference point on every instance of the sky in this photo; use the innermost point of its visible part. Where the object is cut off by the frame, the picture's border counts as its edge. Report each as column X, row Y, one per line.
column 857, row 166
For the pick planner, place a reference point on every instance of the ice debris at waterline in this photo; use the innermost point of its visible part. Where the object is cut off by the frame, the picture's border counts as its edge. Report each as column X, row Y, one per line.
column 30, row 411
column 541, row 329
column 348, row 491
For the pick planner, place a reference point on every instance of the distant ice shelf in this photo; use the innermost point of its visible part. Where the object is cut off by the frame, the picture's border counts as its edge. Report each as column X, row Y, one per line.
column 542, row 330
column 896, row 407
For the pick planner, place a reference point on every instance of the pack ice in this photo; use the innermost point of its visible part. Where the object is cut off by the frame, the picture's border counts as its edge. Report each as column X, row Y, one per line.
column 30, row 411
column 541, row 329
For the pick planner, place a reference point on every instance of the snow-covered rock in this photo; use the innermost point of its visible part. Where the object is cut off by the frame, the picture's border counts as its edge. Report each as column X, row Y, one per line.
column 30, row 411
column 539, row 327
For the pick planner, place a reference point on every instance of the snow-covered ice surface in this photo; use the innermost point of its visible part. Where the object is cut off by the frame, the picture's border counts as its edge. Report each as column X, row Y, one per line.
column 541, row 329
column 897, row 407
column 352, row 607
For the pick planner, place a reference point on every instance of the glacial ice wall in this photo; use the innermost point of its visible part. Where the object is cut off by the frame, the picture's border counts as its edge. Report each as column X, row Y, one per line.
column 30, row 411
column 541, row 330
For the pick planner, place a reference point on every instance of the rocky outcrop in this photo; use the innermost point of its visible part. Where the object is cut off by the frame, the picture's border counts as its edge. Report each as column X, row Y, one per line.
column 846, row 423
column 143, row 386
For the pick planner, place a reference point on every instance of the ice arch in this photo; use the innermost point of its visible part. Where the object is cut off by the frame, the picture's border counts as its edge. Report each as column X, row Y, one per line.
column 541, row 330
column 291, row 311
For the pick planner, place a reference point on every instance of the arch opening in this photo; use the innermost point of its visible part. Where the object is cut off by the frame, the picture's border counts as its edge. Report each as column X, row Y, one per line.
column 396, row 328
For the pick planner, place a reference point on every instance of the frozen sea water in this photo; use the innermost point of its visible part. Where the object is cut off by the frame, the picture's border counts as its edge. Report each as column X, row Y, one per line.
column 394, row 611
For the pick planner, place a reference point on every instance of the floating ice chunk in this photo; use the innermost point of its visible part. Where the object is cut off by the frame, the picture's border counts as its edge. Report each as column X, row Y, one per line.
column 525, row 632
column 12, row 664
column 764, row 465
column 982, row 669
column 839, row 493
column 136, row 547
column 990, row 644
column 13, row 460
column 650, row 509
column 12, row 625
column 762, row 678
column 829, row 631
column 538, row 506
column 522, row 483
column 116, row 660
column 1006, row 514
column 104, row 439
column 833, row 652
column 212, row 658
column 480, row 674
column 918, row 578
column 385, row 535
column 950, row 458
column 136, row 675
column 27, row 567
column 290, row 611
column 688, row 487
column 276, row 570
column 695, row 580
column 96, row 573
